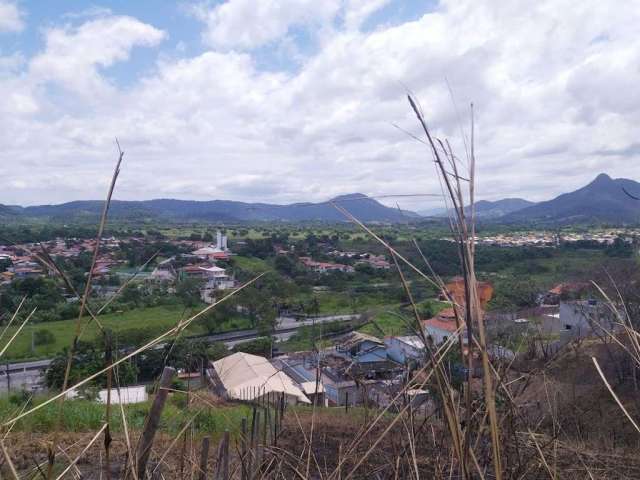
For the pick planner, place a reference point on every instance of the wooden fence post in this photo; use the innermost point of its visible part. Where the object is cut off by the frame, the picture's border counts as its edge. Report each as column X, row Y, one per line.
column 243, row 451
column 225, row 464
column 204, row 457
column 153, row 420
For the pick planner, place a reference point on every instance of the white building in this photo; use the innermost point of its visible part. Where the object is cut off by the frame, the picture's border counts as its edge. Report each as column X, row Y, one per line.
column 218, row 252
column 403, row 349
column 216, row 279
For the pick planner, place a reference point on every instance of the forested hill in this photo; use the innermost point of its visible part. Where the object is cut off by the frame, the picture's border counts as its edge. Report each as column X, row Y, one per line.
column 364, row 208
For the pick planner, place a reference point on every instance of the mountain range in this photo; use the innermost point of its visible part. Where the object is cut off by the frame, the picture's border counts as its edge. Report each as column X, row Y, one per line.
column 362, row 207
column 602, row 201
column 486, row 209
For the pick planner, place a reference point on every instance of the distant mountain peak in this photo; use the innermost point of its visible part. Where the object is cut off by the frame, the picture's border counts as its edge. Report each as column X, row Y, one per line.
column 603, row 178
column 601, row 201
column 351, row 196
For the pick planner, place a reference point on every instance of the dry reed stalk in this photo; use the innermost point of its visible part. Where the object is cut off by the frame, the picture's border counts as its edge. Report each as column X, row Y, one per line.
column 84, row 450
column 542, row 457
column 126, row 283
column 467, row 250
column 444, row 388
column 175, row 440
column 613, row 394
column 76, row 471
column 127, row 438
column 7, row 457
column 13, row 317
column 17, row 332
column 83, row 304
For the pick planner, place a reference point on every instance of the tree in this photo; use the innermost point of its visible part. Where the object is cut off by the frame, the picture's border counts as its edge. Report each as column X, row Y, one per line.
column 259, row 307
column 43, row 337
column 188, row 291
column 216, row 351
column 218, row 315
column 88, row 359
column 4, row 264
column 285, row 264
column 515, row 294
column 619, row 248
column 260, row 346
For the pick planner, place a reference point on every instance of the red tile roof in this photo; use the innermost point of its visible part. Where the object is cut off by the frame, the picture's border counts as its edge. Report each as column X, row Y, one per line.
column 449, row 326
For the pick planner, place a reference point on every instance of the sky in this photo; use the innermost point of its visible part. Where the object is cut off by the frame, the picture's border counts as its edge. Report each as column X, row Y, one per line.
column 300, row 100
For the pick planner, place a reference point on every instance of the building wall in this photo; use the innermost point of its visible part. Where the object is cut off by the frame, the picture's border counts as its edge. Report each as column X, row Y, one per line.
column 583, row 317
column 400, row 351
column 375, row 354
column 438, row 335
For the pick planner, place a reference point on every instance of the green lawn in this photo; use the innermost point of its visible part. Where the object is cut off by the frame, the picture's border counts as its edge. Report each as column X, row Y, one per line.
column 251, row 264
column 396, row 321
column 341, row 302
column 84, row 415
column 159, row 319
column 563, row 265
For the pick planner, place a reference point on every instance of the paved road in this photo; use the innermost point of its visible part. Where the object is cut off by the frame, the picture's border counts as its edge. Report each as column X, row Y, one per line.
column 24, row 375
column 30, row 375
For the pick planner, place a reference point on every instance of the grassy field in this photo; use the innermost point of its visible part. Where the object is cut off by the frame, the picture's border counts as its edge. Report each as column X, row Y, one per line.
column 341, row 302
column 251, row 264
column 156, row 318
column 561, row 267
column 85, row 415
column 397, row 321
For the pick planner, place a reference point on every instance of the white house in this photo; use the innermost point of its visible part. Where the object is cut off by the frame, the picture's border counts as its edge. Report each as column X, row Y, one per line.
column 402, row 349
column 441, row 327
column 217, row 279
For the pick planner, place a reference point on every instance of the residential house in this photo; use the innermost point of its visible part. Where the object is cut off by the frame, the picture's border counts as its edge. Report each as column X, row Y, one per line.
column 26, row 269
column 162, row 275
column 325, row 267
column 441, row 327
column 193, row 271
column 367, row 355
column 563, row 291
column 583, row 317
column 378, row 262
column 404, row 349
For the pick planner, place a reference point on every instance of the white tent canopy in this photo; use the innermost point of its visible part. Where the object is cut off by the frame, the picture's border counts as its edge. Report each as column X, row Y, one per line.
column 246, row 377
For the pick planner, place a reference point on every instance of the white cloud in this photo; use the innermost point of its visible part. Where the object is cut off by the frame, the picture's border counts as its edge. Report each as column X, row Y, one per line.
column 357, row 11
column 73, row 56
column 249, row 24
column 10, row 17
column 553, row 84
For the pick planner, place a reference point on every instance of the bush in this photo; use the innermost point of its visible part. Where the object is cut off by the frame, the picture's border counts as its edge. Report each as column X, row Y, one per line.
column 259, row 346
column 43, row 337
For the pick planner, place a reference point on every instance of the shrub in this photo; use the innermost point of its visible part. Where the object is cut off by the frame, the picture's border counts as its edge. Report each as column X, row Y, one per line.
column 43, row 337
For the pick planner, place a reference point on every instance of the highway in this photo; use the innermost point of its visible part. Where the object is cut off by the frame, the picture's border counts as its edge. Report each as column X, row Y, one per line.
column 30, row 375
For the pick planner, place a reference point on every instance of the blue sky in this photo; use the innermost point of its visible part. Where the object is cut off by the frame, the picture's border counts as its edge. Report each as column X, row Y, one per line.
column 184, row 30
column 296, row 100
